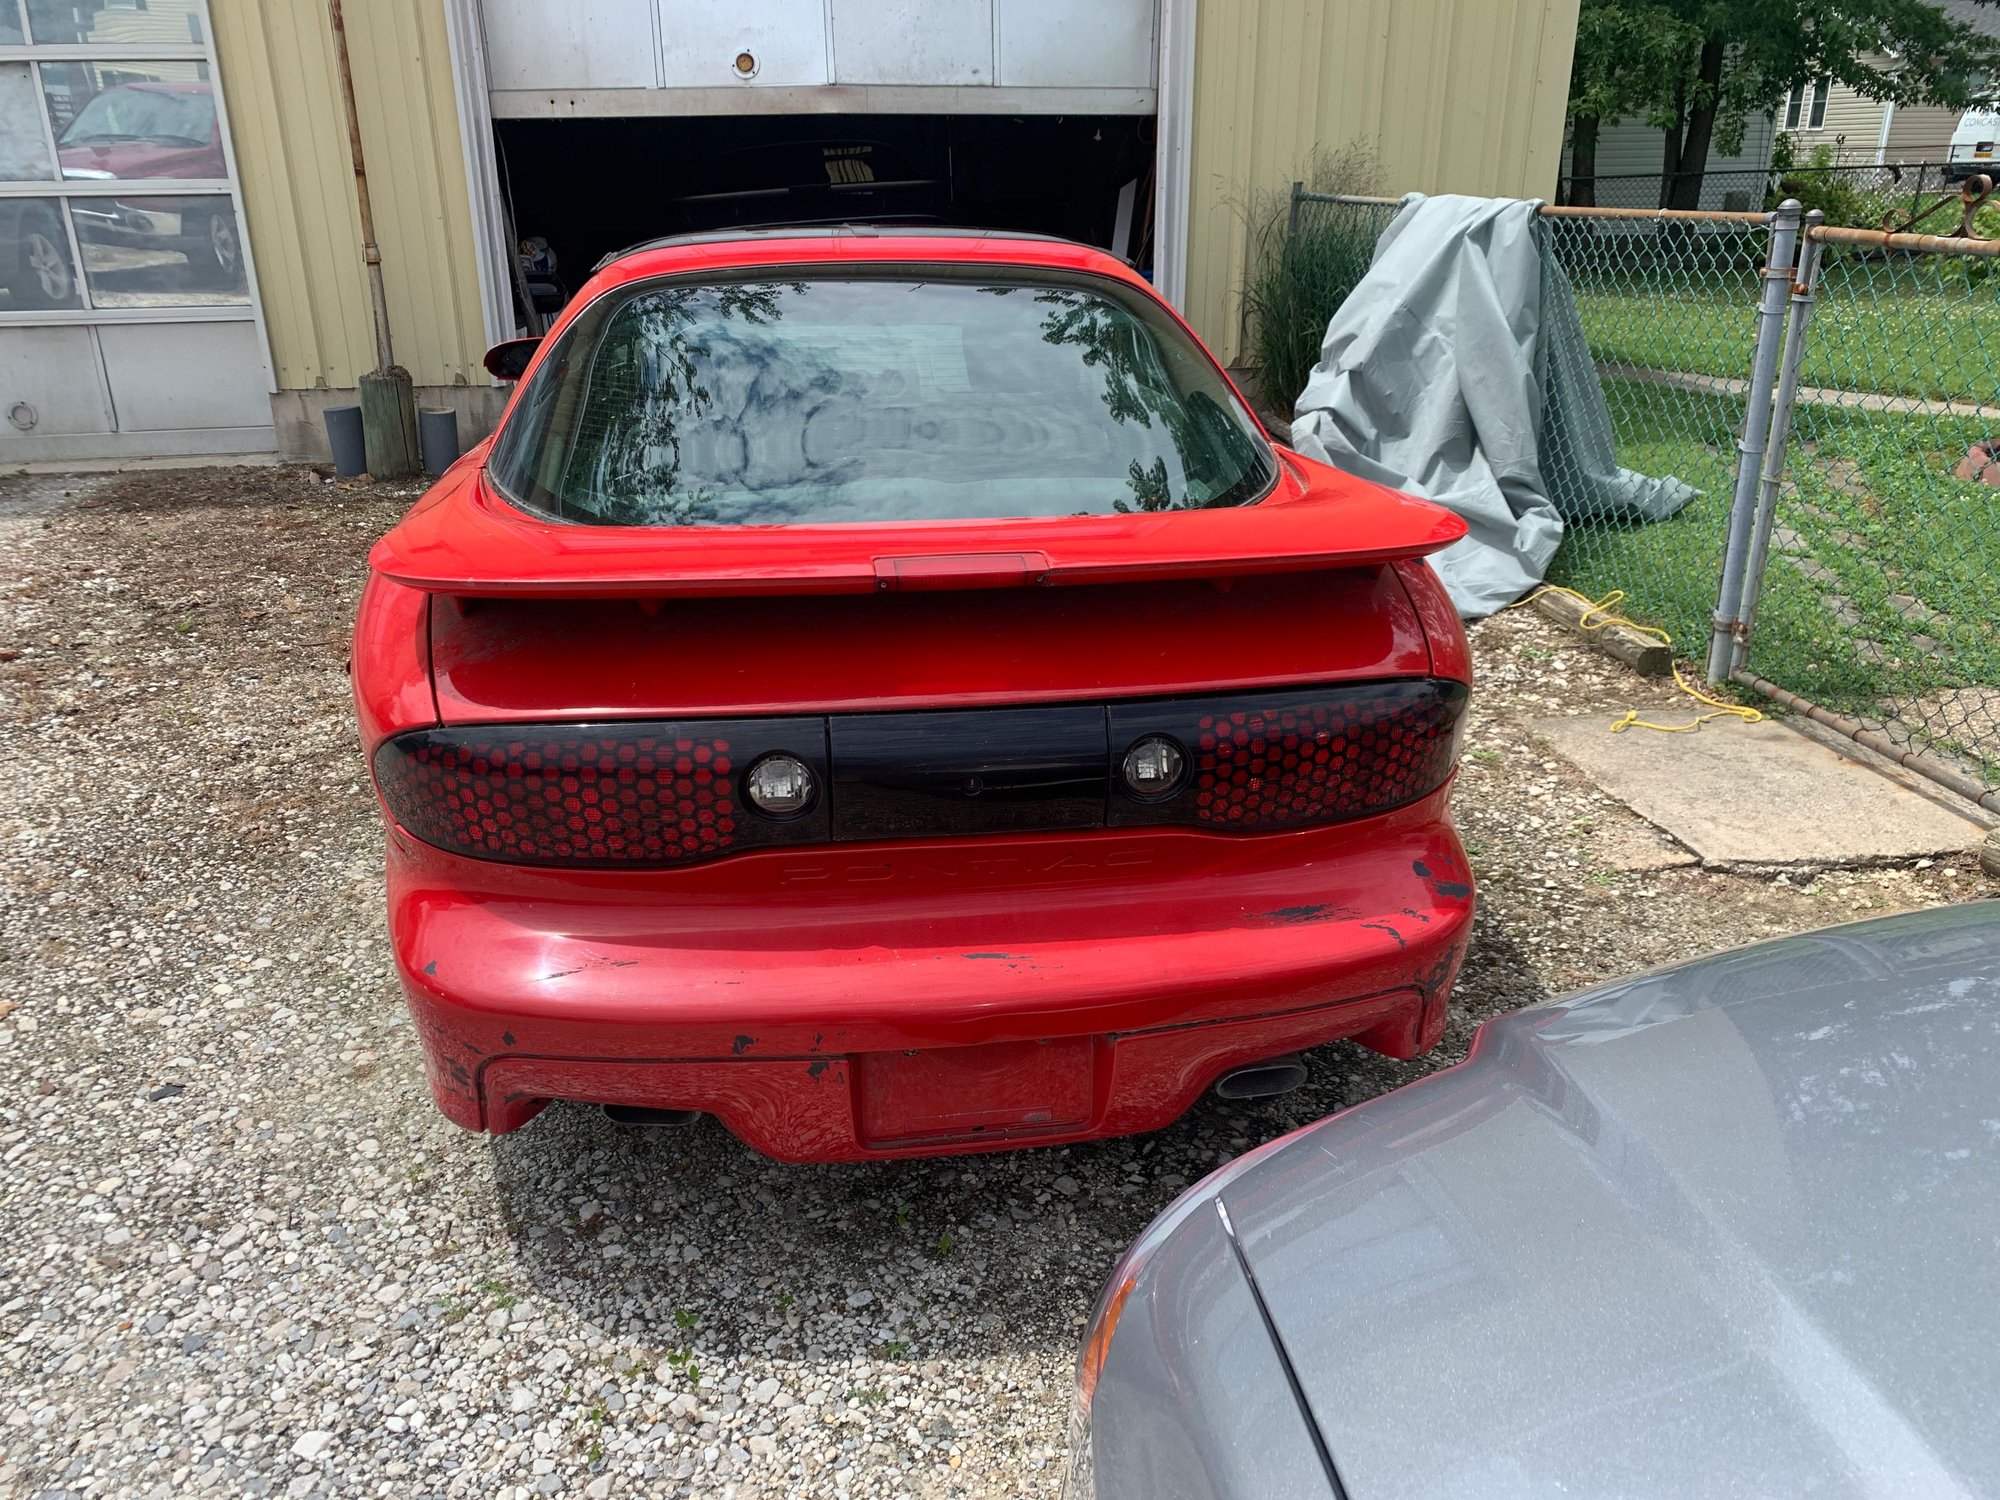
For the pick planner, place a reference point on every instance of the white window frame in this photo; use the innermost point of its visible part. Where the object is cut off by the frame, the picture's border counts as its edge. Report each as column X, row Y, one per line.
column 492, row 245
column 1174, row 148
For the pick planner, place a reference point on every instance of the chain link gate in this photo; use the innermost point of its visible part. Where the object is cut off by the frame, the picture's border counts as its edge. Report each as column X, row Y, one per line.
column 1833, row 397
column 1869, row 600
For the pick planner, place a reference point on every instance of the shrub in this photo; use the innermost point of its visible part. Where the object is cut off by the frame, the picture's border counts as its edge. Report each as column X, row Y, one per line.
column 1296, row 283
column 1817, row 184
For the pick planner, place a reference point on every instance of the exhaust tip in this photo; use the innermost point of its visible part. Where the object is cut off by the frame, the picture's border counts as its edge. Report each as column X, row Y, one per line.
column 640, row 1117
column 1264, row 1080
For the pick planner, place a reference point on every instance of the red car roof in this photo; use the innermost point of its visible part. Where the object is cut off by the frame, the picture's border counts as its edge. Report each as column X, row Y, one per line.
column 846, row 245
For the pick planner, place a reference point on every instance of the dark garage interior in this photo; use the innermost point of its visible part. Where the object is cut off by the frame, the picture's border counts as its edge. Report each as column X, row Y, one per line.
column 593, row 186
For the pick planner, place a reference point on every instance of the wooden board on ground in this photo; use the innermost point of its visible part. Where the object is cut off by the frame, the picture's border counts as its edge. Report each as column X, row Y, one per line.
column 1635, row 648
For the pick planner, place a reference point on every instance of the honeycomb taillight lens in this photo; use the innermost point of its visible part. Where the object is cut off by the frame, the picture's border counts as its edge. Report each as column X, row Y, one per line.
column 1292, row 759
column 651, row 793
column 638, row 794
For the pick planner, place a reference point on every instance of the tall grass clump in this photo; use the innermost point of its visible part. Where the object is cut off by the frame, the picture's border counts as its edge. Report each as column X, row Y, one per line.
column 1296, row 282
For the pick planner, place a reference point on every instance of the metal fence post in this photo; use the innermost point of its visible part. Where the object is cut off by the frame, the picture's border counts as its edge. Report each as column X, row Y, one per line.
column 1756, row 429
column 1804, row 290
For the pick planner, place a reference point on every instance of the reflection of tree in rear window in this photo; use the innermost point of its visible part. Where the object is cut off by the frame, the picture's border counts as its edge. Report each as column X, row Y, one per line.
column 876, row 398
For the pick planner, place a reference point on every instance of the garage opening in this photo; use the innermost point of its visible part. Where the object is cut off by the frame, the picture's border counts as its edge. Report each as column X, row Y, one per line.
column 579, row 189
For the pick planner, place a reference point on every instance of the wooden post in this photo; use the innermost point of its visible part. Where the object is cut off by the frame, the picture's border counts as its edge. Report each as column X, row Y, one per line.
column 388, row 395
column 389, row 423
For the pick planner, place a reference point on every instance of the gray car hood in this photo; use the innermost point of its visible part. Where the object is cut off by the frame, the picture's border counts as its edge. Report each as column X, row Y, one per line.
column 1729, row 1229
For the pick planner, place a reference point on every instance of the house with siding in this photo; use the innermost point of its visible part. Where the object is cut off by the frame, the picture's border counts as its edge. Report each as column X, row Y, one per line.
column 1857, row 130
column 1629, row 153
column 1861, row 131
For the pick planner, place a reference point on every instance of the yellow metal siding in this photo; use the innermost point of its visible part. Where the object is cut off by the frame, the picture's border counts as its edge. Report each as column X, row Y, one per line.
column 1453, row 95
column 282, row 89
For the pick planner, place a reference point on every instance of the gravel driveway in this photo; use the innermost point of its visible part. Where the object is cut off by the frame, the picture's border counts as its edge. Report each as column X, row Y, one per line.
column 241, row 1254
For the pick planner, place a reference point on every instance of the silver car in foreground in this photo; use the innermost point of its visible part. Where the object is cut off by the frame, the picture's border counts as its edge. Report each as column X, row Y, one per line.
column 1731, row 1228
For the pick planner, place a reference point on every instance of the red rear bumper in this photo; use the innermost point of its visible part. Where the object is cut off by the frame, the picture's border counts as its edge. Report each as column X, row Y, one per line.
column 868, row 1001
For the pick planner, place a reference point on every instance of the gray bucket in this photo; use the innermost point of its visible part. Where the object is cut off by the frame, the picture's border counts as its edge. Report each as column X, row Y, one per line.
column 437, row 435
column 343, row 435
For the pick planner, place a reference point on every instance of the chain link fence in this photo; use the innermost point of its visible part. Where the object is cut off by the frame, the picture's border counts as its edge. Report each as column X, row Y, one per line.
column 1328, row 243
column 1832, row 398
column 1871, row 190
column 1668, row 310
column 1877, row 593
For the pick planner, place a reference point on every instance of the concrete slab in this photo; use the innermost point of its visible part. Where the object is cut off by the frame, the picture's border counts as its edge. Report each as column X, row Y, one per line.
column 1758, row 794
column 144, row 465
column 1902, row 775
column 1637, row 847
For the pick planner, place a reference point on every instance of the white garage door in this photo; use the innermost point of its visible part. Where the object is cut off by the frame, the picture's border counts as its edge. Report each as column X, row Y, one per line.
column 647, row 57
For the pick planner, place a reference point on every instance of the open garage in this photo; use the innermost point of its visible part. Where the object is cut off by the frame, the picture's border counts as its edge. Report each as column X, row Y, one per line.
column 626, row 120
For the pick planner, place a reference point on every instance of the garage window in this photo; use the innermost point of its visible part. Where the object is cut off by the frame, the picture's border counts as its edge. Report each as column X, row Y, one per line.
column 125, row 280
column 87, row 127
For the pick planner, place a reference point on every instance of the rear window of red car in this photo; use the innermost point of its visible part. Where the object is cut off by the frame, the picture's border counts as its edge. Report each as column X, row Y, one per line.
column 911, row 393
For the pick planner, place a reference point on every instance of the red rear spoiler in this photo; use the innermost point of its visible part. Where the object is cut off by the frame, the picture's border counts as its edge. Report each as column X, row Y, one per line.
column 462, row 539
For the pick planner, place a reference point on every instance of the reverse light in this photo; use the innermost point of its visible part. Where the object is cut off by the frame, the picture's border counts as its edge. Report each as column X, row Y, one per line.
column 780, row 786
column 1154, row 766
column 1294, row 758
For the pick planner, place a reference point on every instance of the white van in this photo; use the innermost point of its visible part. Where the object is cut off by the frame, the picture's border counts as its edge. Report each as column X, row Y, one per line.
column 1974, row 143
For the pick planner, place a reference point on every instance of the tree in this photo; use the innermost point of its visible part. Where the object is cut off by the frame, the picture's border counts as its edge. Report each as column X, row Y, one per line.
column 1699, row 69
column 1626, row 53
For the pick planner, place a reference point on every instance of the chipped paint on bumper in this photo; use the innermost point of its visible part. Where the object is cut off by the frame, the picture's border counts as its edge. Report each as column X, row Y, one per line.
column 923, row 999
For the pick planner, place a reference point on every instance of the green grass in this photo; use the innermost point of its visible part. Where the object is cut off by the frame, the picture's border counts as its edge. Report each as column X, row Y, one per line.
column 1878, row 598
column 1915, row 551
column 1906, row 326
column 1880, row 588
column 1668, row 569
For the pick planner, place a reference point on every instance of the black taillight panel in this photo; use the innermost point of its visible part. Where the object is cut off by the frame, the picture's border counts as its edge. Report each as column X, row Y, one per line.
column 1293, row 758
column 657, row 794
column 989, row 770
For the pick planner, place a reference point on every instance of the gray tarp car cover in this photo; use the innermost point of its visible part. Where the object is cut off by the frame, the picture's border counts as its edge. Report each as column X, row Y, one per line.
column 1457, row 370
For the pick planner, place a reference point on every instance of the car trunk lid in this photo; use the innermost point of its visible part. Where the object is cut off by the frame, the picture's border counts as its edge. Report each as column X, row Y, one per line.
column 537, row 620
column 523, row 660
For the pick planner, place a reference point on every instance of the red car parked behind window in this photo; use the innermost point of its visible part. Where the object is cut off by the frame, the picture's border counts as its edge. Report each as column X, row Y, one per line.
column 884, row 689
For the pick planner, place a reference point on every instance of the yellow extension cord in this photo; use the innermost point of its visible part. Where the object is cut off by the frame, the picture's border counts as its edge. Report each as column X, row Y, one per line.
column 1632, row 720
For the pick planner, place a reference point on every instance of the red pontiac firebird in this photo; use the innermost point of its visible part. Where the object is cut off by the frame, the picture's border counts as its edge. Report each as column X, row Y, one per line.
column 883, row 689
